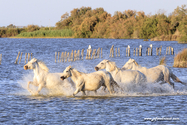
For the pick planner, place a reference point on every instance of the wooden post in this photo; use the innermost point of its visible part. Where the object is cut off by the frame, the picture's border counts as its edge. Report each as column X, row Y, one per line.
column 134, row 51
column 151, row 51
column 62, row 57
column 140, row 50
column 116, row 52
column 112, row 51
column 78, row 54
column 82, row 53
column 31, row 55
column 169, row 50
column 25, row 58
column 65, row 57
column 72, row 55
column 148, row 51
column 97, row 53
column 55, row 56
column 28, row 57
column 20, row 57
column 58, row 56
column 128, row 51
column 93, row 54
column 160, row 49
column 89, row 53
column 68, row 56
column 17, row 58
column 0, row 58
column 75, row 55
column 157, row 51
column 166, row 50
column 119, row 52
column 101, row 53
column 172, row 51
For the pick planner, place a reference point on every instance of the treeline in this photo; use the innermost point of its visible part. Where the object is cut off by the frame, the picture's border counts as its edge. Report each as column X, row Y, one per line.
column 97, row 23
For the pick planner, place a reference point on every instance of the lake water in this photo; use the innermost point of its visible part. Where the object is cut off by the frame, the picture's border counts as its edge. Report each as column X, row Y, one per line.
column 131, row 106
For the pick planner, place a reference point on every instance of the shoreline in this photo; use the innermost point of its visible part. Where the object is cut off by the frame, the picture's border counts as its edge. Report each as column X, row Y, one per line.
column 37, row 37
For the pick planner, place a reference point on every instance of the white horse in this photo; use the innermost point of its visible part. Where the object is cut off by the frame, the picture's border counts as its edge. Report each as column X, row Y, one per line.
column 154, row 74
column 42, row 77
column 119, row 75
column 89, row 82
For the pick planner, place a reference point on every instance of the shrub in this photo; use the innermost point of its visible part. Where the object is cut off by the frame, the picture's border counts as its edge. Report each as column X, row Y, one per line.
column 180, row 59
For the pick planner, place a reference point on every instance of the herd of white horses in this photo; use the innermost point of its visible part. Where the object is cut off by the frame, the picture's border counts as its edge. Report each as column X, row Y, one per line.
column 131, row 73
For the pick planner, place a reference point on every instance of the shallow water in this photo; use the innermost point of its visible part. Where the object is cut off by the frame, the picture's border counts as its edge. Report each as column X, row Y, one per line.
column 133, row 105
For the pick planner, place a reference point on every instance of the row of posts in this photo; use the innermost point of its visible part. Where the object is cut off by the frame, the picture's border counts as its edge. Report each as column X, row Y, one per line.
column 138, row 51
column 30, row 55
column 77, row 55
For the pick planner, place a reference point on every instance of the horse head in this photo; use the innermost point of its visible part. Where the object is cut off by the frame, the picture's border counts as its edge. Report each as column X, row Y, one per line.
column 101, row 65
column 33, row 63
column 106, row 64
column 66, row 73
column 130, row 64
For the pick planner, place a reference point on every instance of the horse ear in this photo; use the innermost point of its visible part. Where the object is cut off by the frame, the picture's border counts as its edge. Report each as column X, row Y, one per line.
column 70, row 67
column 34, row 59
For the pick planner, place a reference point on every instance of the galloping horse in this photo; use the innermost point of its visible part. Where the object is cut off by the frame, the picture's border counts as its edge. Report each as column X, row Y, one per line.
column 42, row 77
column 154, row 74
column 119, row 75
column 89, row 82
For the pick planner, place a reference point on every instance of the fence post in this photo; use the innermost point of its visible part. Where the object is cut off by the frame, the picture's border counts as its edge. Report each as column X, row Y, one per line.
column 172, row 51
column 119, row 52
column 116, row 52
column 17, row 58
column 20, row 57
column 136, row 51
column 55, row 56
column 112, row 51
column 65, row 57
column 71, row 55
column 128, row 50
column 28, row 57
column 82, row 53
column 140, row 50
column 62, row 57
column 25, row 58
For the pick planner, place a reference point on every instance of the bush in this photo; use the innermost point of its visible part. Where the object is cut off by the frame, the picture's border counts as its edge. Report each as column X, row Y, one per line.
column 180, row 59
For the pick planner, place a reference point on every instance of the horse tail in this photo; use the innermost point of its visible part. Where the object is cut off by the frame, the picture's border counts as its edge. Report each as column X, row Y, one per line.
column 176, row 79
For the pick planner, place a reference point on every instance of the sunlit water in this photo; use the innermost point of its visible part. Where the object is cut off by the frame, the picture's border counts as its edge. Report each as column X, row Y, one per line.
column 133, row 105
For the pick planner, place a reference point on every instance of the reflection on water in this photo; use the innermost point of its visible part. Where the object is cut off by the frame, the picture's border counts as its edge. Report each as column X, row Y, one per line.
column 58, row 106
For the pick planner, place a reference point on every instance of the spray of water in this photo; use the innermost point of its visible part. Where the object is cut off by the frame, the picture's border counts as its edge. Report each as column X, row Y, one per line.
column 145, row 89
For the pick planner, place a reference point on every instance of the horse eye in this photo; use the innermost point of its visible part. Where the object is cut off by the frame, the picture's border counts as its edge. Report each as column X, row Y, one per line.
column 66, row 71
column 102, row 63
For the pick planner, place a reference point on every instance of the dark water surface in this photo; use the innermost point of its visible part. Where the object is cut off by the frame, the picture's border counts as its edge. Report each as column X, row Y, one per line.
column 18, row 106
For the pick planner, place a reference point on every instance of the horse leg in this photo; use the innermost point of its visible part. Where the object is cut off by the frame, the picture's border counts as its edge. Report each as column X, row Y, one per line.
column 95, row 92
column 39, row 89
column 83, row 93
column 28, row 86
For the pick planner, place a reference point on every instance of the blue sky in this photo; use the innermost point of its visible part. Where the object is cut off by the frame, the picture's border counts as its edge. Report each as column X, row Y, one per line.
column 48, row 12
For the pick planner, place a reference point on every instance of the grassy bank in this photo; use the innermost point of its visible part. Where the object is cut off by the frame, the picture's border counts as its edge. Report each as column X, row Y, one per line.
column 180, row 59
column 65, row 33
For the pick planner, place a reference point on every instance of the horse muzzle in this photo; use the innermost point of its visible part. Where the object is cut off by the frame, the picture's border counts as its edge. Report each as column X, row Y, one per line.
column 25, row 67
column 63, row 77
column 96, row 68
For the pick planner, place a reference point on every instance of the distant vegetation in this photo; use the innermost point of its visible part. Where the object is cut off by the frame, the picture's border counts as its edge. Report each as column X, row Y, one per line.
column 180, row 59
column 97, row 23
column 65, row 33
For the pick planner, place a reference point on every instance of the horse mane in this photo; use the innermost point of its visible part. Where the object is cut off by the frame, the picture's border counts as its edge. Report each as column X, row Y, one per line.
column 137, row 64
column 42, row 65
column 112, row 65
